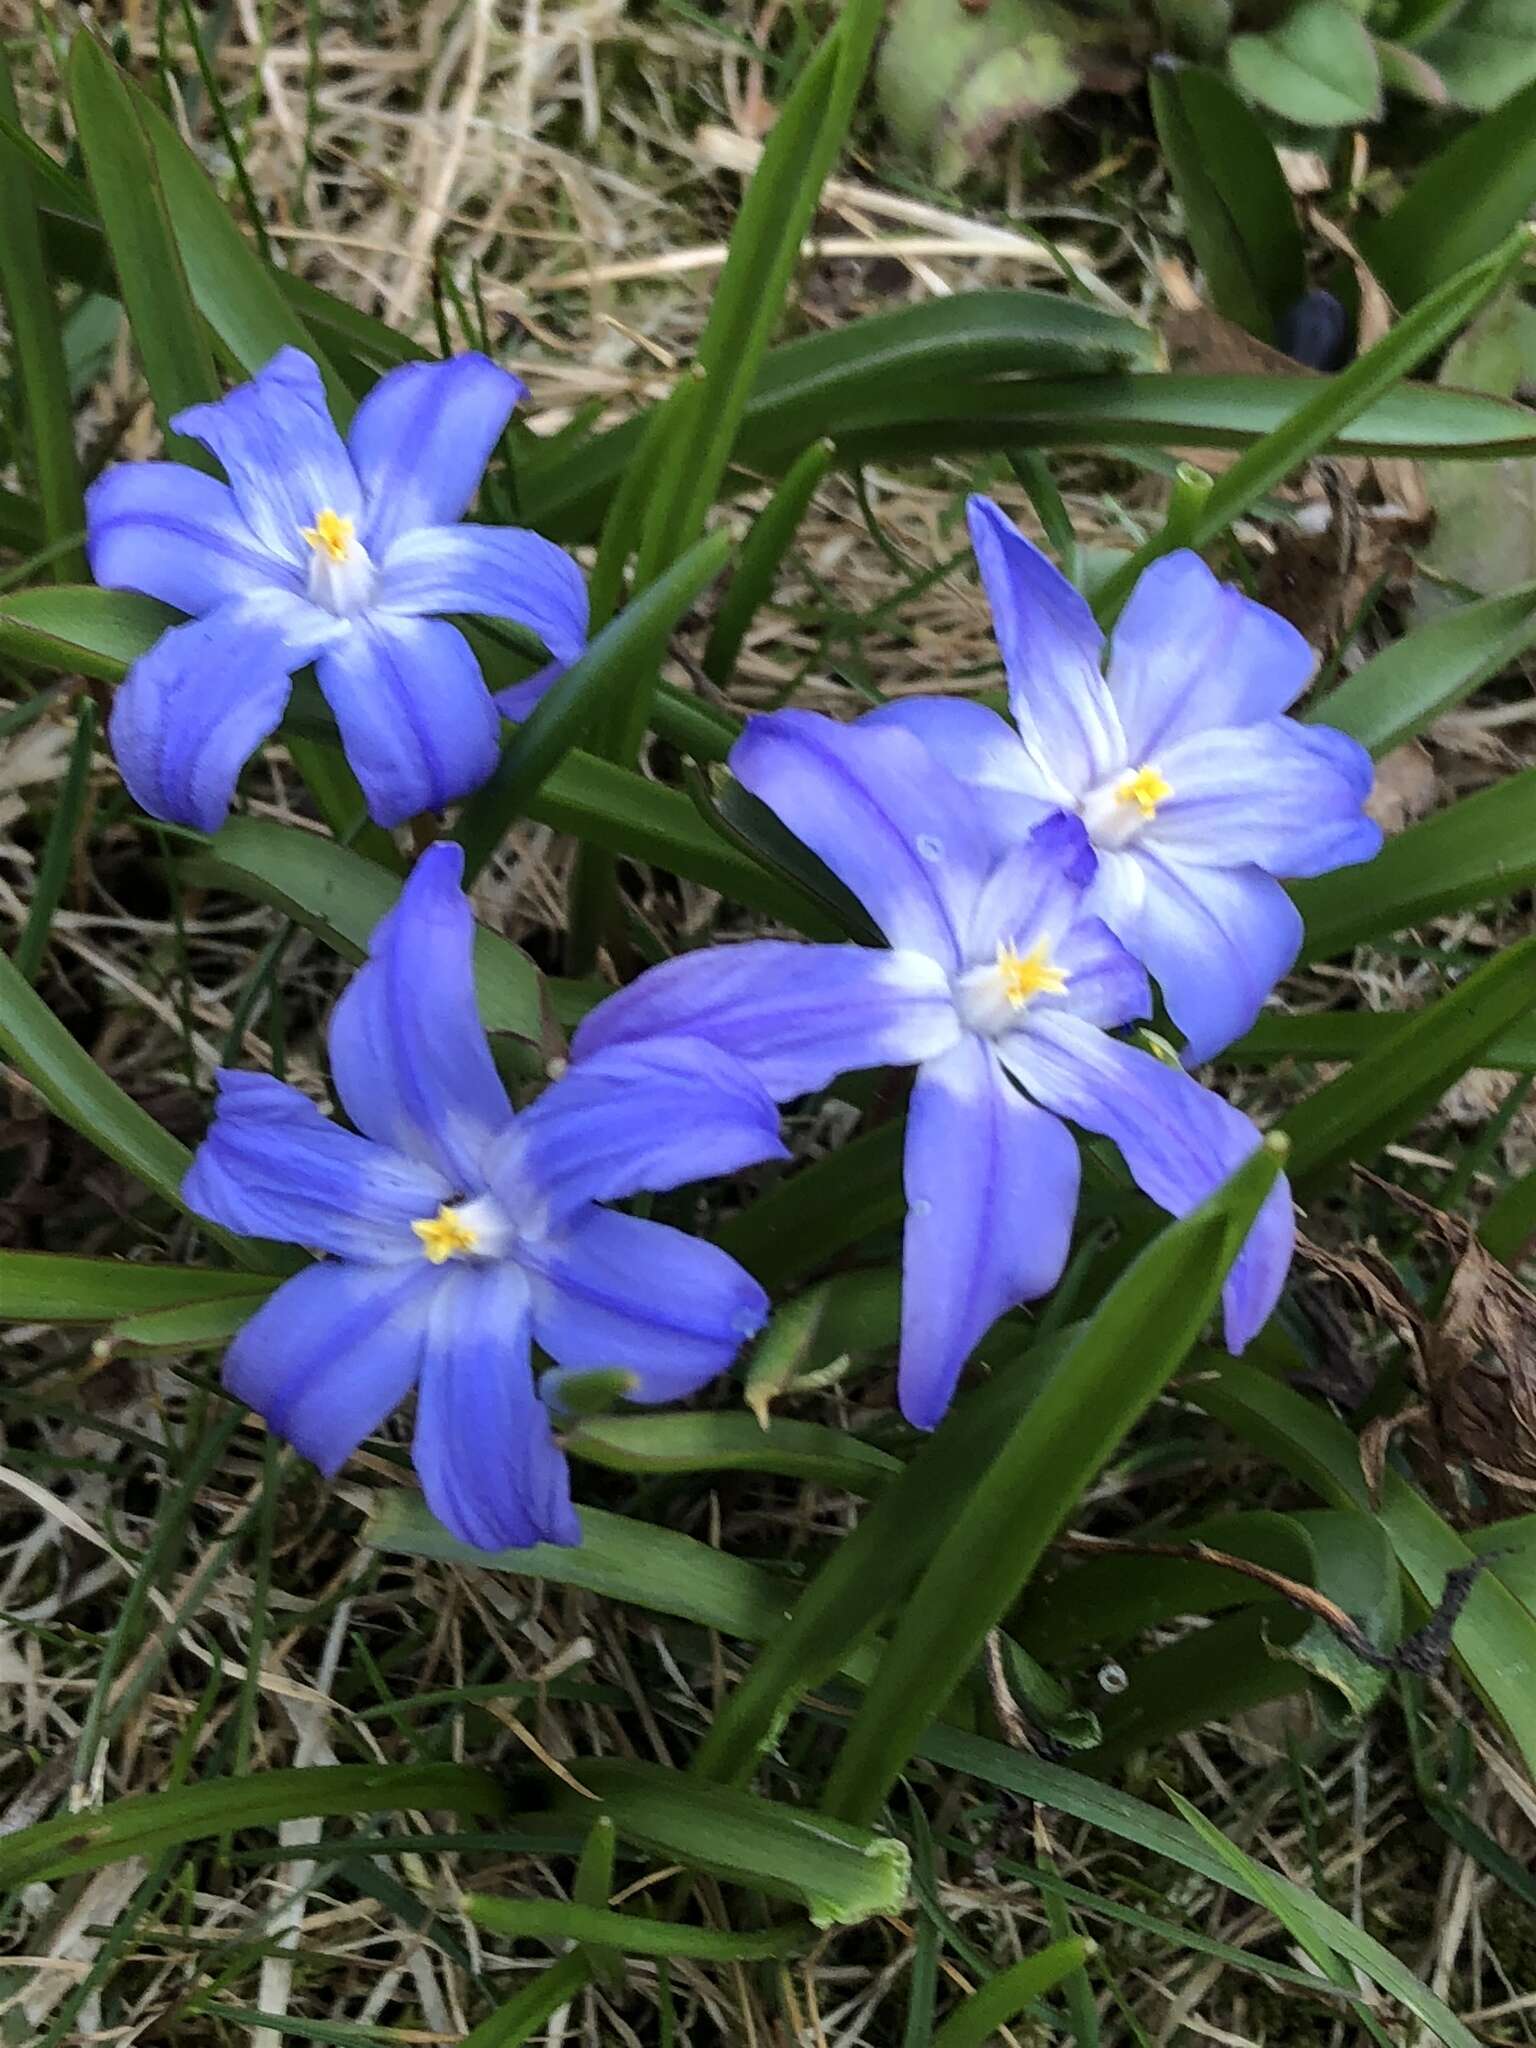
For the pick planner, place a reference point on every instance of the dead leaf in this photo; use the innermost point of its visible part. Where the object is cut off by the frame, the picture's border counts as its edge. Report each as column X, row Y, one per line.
column 1405, row 787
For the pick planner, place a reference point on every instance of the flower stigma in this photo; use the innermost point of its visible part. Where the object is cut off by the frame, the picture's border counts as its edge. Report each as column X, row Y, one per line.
column 445, row 1236
column 1027, row 975
column 1146, row 789
column 330, row 535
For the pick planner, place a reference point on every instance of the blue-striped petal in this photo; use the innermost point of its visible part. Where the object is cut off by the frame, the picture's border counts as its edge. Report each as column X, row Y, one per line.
column 421, row 440
column 494, row 572
column 173, row 533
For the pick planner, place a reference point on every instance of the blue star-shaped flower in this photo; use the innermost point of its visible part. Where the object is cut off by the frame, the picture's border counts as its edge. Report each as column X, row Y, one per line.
column 338, row 553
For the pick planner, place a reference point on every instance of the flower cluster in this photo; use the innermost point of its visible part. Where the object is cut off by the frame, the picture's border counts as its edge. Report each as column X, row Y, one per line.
column 1026, row 877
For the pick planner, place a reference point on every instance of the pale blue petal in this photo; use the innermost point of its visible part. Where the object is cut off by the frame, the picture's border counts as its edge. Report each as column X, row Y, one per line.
column 1215, row 940
column 1179, row 1141
column 409, row 1058
column 991, row 1185
column 889, row 822
column 981, row 749
column 273, row 1166
column 494, row 572
column 281, row 452
column 486, row 1456
column 176, row 534
column 618, row 1292
column 331, row 1353
column 798, row 1015
column 1191, row 653
column 1284, row 797
column 634, row 1118
column 417, row 722
column 1052, row 651
column 517, row 700
column 196, row 706
column 1105, row 985
column 421, row 440
column 1035, row 892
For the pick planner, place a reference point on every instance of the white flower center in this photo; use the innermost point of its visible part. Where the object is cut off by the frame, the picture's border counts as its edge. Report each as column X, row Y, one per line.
column 341, row 571
column 1118, row 810
column 477, row 1229
column 991, row 997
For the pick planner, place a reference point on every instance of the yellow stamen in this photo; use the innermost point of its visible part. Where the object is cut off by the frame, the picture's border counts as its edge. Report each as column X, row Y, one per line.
column 1026, row 975
column 444, row 1236
column 1146, row 789
column 331, row 534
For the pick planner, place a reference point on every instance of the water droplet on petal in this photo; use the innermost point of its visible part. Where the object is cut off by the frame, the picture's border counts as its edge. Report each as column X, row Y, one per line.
column 921, row 1207
column 929, row 847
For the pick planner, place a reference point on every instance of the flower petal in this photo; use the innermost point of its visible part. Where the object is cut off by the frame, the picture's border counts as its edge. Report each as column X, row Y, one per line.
column 614, row 1291
column 489, row 1465
column 281, row 452
column 887, row 820
column 331, row 1353
column 175, row 534
column 1286, row 797
column 981, row 749
column 409, row 1059
column 1035, row 891
column 417, row 722
column 645, row 1117
column 1179, row 1141
column 991, row 1187
column 197, row 705
column 493, row 572
column 421, row 440
column 798, row 1015
column 1052, row 649
column 1191, row 653
column 1215, row 940
column 273, row 1166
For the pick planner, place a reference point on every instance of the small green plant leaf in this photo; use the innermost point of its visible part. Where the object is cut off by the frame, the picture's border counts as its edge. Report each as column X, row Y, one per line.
column 554, row 1921
column 1318, row 68
column 1003, row 1997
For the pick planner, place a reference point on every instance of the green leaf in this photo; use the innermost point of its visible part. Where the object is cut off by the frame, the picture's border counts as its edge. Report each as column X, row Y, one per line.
column 55, row 1287
column 47, row 408
column 806, row 389
column 341, row 896
column 1318, row 68
column 1487, row 52
column 89, row 1101
column 554, row 1921
column 59, row 848
column 776, row 213
column 622, row 1559
column 237, row 293
column 1352, row 1034
column 1112, row 1371
column 1386, row 1092
column 840, row 1873
column 1461, row 205
column 80, row 630
column 821, row 1210
column 1411, row 683
column 733, row 1443
column 1481, row 850
column 1238, row 210
column 156, row 1821
column 200, row 1326
column 1003, row 1997
column 168, row 334
column 952, row 80
column 769, row 540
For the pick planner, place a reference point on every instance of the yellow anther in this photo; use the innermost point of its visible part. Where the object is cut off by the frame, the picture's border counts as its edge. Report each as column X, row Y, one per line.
column 1146, row 789
column 331, row 534
column 1026, row 975
column 444, row 1236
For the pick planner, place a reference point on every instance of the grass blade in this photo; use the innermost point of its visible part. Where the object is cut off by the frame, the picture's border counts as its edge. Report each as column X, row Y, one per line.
column 977, row 2020
column 59, row 847
column 1111, row 1372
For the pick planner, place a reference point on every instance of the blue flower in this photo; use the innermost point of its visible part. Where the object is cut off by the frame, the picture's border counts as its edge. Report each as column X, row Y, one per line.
column 1197, row 793
column 343, row 555
column 999, row 990
column 457, row 1234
